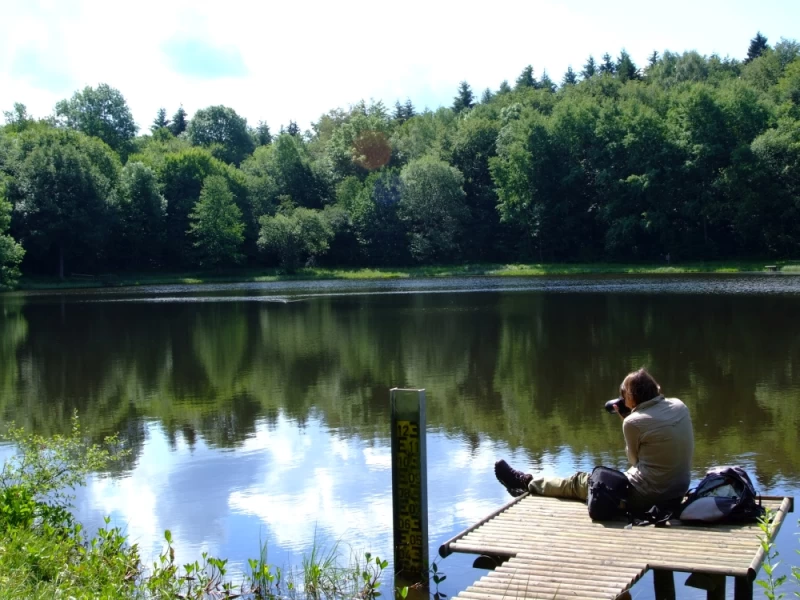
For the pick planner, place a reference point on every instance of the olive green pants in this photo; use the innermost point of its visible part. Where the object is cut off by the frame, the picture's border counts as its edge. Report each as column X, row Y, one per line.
column 574, row 486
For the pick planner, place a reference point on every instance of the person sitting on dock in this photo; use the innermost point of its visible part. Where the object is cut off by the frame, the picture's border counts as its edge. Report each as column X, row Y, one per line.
column 659, row 443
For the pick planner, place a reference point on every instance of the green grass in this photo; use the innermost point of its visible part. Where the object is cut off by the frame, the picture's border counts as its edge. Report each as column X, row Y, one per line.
column 466, row 270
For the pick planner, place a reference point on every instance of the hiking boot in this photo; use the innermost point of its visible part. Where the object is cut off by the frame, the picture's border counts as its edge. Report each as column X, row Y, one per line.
column 516, row 482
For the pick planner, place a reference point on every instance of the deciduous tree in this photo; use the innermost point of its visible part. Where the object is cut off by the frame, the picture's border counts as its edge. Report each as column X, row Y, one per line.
column 61, row 190
column 432, row 206
column 100, row 112
column 11, row 252
column 223, row 131
column 216, row 224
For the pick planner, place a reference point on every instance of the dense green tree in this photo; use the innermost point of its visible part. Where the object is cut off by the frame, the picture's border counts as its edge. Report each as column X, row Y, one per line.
column 293, row 129
column 526, row 79
column 432, row 206
column 216, row 224
column 589, row 69
column 504, row 88
column 141, row 210
column 11, row 252
column 570, row 78
column 697, row 161
column 295, row 236
column 757, row 47
column 100, row 112
column 290, row 165
column 182, row 175
column 223, row 131
column 18, row 119
column 652, row 60
column 179, row 123
column 161, row 121
column 360, row 144
column 487, row 96
column 373, row 207
column 464, row 99
column 61, row 187
column 473, row 147
column 263, row 137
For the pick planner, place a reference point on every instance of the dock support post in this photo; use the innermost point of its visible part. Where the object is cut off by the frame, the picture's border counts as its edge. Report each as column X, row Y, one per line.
column 742, row 589
column 664, row 583
column 409, row 486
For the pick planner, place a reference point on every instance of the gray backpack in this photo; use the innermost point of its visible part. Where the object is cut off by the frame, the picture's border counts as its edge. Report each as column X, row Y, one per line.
column 726, row 494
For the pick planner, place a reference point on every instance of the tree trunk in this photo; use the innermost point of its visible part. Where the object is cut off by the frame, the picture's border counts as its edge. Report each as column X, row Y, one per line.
column 61, row 263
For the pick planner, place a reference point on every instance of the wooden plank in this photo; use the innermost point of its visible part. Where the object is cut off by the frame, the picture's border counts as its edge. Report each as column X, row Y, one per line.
column 547, row 583
column 740, row 558
column 707, row 565
column 614, row 581
column 524, row 535
column 775, row 527
column 596, row 570
column 477, row 594
column 444, row 549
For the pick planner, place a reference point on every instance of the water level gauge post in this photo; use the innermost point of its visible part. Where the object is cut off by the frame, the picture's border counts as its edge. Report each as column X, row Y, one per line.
column 409, row 485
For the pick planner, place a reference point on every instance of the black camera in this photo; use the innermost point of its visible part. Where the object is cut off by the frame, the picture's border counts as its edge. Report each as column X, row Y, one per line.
column 620, row 402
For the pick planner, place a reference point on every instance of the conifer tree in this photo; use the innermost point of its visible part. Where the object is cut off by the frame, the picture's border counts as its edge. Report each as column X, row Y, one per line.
column 160, row 121
column 179, row 123
column 757, row 46
column 487, row 96
column 293, row 129
column 410, row 112
column 626, row 69
column 263, row 135
column 504, row 87
column 608, row 66
column 526, row 78
column 590, row 68
column 569, row 77
column 545, row 83
column 464, row 100
column 399, row 113
column 652, row 60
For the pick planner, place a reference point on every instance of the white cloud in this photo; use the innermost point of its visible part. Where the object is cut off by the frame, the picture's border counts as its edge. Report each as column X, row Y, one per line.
column 306, row 57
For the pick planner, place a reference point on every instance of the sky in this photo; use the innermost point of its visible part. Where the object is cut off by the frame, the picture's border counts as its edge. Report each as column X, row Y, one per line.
column 298, row 59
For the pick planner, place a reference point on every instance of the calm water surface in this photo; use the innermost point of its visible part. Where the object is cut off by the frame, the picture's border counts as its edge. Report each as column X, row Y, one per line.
column 259, row 412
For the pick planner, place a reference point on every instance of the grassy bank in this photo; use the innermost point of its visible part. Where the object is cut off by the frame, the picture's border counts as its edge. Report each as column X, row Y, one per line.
column 45, row 553
column 319, row 273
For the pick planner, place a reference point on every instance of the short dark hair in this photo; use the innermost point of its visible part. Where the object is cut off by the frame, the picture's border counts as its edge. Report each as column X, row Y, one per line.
column 640, row 385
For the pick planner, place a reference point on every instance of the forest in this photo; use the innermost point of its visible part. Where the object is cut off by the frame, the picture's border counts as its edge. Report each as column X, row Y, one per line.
column 688, row 156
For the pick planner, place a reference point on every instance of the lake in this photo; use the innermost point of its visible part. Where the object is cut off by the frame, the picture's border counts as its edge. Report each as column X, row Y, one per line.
column 259, row 413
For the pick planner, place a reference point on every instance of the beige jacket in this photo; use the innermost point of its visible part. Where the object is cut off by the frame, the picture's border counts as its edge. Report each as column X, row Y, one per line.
column 659, row 442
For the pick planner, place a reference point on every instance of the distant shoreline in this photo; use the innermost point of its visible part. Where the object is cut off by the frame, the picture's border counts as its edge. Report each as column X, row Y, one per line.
column 255, row 275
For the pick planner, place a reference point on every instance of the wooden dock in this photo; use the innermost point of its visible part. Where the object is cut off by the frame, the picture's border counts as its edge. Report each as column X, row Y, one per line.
column 549, row 548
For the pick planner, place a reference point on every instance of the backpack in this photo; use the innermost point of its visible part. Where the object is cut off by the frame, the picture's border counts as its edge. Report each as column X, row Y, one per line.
column 608, row 494
column 726, row 494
